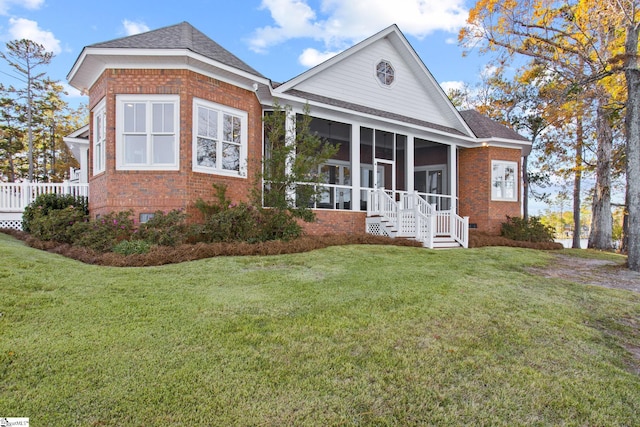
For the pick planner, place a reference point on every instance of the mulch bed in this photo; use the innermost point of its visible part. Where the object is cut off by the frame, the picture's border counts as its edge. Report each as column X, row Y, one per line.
column 160, row 255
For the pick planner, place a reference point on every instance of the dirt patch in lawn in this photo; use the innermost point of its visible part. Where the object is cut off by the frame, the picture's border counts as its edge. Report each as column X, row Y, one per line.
column 589, row 271
column 608, row 274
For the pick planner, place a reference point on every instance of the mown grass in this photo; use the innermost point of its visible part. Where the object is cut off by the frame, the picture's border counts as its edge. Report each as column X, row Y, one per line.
column 348, row 335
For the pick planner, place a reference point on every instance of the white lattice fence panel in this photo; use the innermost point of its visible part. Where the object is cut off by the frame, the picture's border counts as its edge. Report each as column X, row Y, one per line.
column 12, row 224
column 377, row 229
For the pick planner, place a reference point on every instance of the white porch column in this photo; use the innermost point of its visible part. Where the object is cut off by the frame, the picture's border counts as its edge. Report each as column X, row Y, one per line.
column 453, row 176
column 410, row 163
column 84, row 164
column 290, row 139
column 355, row 167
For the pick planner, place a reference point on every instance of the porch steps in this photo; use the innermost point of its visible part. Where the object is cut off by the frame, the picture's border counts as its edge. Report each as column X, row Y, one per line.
column 445, row 242
column 413, row 217
column 384, row 227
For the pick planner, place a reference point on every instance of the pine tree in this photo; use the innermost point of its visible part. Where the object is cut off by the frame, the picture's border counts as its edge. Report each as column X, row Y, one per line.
column 25, row 57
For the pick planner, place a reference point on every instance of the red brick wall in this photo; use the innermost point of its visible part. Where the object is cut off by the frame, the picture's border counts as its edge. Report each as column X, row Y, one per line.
column 148, row 191
column 474, row 187
column 336, row 222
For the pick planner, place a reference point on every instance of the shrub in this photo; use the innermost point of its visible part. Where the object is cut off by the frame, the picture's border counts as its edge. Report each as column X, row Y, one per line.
column 45, row 203
column 131, row 247
column 103, row 233
column 230, row 222
column 57, row 224
column 168, row 229
column 233, row 224
column 516, row 228
column 277, row 224
column 218, row 205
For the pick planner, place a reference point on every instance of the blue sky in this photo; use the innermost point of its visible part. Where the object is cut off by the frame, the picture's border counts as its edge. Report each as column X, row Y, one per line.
column 279, row 38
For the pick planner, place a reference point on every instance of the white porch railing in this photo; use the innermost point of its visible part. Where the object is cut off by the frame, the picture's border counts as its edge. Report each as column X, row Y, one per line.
column 14, row 197
column 413, row 216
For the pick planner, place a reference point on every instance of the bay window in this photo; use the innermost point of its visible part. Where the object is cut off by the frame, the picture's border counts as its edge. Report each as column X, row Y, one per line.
column 147, row 132
column 220, row 139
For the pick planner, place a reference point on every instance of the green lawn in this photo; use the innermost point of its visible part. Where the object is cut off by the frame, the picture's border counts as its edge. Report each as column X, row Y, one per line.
column 352, row 335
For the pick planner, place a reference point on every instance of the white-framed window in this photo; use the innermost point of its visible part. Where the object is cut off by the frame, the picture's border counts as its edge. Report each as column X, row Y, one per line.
column 147, row 132
column 99, row 137
column 219, row 139
column 504, row 180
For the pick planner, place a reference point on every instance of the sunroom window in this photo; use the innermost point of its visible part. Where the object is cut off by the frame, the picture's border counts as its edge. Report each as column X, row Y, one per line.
column 504, row 183
column 147, row 131
column 220, row 140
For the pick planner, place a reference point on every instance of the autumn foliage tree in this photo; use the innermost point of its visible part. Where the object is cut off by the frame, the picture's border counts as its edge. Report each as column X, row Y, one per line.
column 586, row 42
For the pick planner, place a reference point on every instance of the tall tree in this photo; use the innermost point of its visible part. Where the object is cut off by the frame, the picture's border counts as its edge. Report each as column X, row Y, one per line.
column 25, row 57
column 577, row 39
column 11, row 132
column 629, row 10
column 53, row 112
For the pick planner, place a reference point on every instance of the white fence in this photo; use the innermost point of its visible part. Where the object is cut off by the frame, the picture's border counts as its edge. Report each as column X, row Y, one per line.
column 14, row 197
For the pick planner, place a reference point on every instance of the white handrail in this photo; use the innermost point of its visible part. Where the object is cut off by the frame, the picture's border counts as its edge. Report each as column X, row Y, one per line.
column 380, row 203
column 15, row 196
column 413, row 216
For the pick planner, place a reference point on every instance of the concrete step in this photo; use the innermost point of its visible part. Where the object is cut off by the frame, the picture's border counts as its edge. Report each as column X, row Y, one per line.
column 445, row 243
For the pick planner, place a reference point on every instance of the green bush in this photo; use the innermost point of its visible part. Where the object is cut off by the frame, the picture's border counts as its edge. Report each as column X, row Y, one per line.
column 57, row 224
column 220, row 203
column 278, row 225
column 516, row 228
column 168, row 229
column 233, row 224
column 103, row 233
column 230, row 222
column 45, row 203
column 131, row 247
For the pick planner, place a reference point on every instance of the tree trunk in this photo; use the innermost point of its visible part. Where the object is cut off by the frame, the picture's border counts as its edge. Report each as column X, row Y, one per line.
column 12, row 168
column 624, row 246
column 30, row 122
column 577, row 185
column 632, row 126
column 602, row 221
column 525, row 190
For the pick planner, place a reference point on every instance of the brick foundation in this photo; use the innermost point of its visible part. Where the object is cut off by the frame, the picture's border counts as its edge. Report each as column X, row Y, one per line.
column 336, row 222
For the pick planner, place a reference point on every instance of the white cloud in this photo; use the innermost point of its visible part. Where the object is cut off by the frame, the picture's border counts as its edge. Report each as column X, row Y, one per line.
column 5, row 5
column 20, row 28
column 133, row 27
column 293, row 19
column 488, row 71
column 452, row 85
column 72, row 92
column 311, row 57
column 344, row 22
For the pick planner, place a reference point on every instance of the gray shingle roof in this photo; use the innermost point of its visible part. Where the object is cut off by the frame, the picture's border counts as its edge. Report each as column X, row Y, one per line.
column 180, row 36
column 484, row 127
column 372, row 111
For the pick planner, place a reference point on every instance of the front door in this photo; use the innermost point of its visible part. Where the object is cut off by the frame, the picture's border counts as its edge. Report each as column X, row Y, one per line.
column 385, row 176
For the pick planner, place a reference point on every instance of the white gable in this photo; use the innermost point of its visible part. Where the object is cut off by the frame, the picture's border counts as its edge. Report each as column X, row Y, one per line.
column 351, row 77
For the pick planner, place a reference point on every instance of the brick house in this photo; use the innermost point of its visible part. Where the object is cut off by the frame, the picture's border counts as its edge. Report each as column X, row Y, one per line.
column 172, row 112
